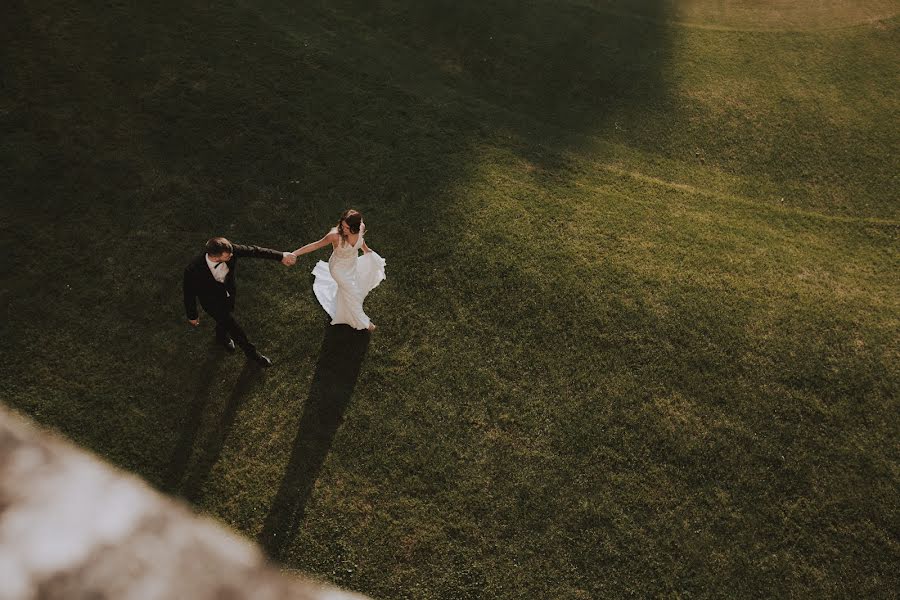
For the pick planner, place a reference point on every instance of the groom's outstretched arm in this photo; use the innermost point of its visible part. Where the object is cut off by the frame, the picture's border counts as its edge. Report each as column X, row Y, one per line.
column 259, row 252
column 240, row 250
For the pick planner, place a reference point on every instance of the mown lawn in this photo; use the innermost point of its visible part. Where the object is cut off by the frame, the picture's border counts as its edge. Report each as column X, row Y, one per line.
column 639, row 335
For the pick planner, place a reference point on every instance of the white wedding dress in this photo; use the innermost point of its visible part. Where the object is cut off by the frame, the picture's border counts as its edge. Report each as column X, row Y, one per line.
column 345, row 280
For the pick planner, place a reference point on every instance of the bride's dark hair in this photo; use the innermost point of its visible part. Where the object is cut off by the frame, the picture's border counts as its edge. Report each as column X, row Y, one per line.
column 352, row 218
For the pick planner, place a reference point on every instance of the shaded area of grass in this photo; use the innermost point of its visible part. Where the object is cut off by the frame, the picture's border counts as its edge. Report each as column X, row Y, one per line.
column 611, row 360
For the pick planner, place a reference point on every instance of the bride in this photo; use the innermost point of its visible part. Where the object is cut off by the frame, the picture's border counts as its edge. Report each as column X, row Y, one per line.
column 343, row 282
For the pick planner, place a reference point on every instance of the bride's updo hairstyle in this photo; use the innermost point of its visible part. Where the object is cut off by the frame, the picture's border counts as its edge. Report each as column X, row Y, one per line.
column 352, row 218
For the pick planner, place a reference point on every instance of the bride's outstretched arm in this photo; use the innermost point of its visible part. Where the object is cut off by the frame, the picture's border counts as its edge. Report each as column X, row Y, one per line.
column 328, row 239
column 365, row 248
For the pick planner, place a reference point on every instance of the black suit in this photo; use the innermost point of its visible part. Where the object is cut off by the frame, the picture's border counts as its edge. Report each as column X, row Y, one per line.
column 217, row 299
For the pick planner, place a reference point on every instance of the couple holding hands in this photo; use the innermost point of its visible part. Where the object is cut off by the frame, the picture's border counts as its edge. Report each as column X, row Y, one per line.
column 340, row 285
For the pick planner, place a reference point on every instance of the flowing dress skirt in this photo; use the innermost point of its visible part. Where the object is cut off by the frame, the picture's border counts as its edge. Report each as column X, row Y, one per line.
column 342, row 284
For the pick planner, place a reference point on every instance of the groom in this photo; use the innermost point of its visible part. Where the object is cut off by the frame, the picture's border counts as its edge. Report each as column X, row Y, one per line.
column 210, row 278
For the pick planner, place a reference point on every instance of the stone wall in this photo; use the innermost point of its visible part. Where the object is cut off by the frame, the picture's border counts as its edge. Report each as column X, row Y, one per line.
column 72, row 527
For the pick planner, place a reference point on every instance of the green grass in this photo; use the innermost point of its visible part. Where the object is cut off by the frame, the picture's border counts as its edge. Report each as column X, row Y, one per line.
column 639, row 335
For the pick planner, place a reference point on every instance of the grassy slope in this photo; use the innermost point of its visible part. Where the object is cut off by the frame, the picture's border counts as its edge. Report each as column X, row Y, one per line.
column 612, row 360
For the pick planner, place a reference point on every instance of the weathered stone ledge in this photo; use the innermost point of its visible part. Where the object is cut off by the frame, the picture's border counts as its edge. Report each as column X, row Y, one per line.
column 72, row 527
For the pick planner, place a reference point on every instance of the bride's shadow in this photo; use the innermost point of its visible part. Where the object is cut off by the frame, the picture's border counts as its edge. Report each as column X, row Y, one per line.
column 340, row 360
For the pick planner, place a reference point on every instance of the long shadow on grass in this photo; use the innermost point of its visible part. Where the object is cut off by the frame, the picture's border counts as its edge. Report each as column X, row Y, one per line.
column 212, row 449
column 340, row 359
column 184, row 448
column 179, row 469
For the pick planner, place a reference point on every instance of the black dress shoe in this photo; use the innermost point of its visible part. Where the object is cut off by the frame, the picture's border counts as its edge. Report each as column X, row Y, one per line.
column 261, row 360
column 229, row 345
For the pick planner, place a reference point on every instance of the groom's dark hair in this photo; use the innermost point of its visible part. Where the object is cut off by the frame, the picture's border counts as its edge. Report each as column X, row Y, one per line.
column 218, row 246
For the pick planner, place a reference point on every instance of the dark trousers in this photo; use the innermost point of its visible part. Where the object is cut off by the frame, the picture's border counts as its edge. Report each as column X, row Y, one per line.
column 227, row 327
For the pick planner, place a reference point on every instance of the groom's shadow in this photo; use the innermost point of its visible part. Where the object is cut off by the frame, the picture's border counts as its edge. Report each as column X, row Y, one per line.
column 191, row 422
column 340, row 359
column 182, row 477
column 209, row 453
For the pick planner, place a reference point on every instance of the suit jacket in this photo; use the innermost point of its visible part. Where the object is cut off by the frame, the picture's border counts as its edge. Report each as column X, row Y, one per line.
column 216, row 298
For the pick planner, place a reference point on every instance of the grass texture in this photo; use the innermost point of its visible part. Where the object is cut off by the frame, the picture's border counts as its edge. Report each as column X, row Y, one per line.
column 639, row 336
